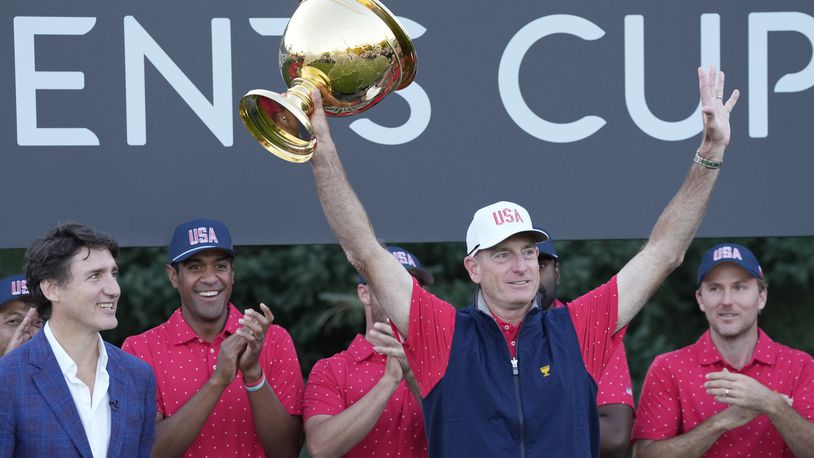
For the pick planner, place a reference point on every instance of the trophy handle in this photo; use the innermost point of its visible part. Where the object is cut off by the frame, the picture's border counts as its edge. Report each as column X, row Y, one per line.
column 281, row 123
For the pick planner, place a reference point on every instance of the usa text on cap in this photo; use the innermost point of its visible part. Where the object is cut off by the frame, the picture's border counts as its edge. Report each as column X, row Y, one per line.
column 196, row 235
column 13, row 288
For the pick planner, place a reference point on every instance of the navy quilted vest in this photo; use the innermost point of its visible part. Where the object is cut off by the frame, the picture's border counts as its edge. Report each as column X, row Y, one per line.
column 483, row 407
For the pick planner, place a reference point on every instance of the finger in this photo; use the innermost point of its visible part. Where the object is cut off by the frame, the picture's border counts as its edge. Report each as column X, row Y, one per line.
column 244, row 334
column 316, row 97
column 254, row 316
column 267, row 313
column 383, row 338
column 711, row 80
column 723, row 375
column 389, row 351
column 252, row 324
column 719, row 86
column 28, row 321
column 703, row 88
column 384, row 328
column 733, row 99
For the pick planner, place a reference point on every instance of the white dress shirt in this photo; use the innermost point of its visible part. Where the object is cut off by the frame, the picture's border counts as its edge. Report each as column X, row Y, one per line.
column 94, row 409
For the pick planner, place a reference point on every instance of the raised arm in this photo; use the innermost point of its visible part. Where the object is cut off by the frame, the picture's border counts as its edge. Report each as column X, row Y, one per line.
column 676, row 226
column 348, row 220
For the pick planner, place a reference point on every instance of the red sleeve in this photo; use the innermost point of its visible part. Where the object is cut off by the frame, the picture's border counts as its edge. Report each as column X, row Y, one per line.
column 323, row 392
column 432, row 323
column 803, row 394
column 659, row 413
column 615, row 386
column 595, row 316
column 138, row 347
column 282, row 369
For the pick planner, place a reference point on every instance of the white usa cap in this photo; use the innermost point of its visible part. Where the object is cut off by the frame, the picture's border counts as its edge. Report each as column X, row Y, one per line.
column 497, row 222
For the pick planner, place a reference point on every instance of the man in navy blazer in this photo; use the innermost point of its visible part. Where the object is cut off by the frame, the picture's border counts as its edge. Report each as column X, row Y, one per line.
column 67, row 393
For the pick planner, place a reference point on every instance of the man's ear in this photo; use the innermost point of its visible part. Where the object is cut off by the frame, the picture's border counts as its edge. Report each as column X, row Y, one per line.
column 698, row 299
column 363, row 293
column 50, row 289
column 764, row 296
column 473, row 268
column 172, row 274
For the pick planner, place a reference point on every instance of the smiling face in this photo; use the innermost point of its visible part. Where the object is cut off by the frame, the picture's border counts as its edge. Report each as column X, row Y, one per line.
column 86, row 301
column 507, row 273
column 11, row 316
column 204, row 281
column 731, row 298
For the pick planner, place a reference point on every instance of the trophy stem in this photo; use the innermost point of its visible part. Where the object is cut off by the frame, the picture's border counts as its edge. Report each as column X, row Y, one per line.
column 281, row 123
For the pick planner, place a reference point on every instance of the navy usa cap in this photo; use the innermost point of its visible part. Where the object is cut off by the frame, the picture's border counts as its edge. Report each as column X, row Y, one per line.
column 196, row 235
column 731, row 253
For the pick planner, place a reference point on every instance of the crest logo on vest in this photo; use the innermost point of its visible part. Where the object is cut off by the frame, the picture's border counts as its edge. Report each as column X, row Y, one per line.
column 546, row 370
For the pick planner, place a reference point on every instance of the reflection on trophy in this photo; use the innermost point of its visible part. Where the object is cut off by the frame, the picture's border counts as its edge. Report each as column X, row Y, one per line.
column 353, row 51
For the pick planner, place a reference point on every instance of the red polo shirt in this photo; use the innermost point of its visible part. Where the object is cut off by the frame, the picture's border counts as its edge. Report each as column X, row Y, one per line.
column 340, row 381
column 615, row 386
column 183, row 363
column 674, row 400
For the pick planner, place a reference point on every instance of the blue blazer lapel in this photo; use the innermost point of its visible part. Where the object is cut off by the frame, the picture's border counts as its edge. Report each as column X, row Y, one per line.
column 54, row 390
column 118, row 402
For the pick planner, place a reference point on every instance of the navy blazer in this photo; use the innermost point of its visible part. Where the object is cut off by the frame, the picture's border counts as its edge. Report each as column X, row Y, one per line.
column 38, row 417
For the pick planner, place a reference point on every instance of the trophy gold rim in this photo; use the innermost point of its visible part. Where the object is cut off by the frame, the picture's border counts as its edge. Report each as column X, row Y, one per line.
column 353, row 72
column 408, row 62
column 269, row 134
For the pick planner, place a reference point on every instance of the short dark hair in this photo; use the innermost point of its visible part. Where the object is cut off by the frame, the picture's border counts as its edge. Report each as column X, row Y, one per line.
column 48, row 257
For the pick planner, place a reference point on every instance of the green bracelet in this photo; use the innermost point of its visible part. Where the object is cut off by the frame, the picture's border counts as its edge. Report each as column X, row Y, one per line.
column 710, row 164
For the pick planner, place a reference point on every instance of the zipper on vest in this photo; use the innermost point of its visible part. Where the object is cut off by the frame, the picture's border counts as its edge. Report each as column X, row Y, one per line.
column 521, row 420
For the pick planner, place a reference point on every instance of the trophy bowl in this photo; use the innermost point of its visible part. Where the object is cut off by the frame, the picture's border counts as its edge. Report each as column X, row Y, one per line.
column 353, row 51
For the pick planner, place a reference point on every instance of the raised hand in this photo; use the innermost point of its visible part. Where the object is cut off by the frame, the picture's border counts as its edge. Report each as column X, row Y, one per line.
column 25, row 331
column 230, row 351
column 715, row 112
column 742, row 391
column 253, row 330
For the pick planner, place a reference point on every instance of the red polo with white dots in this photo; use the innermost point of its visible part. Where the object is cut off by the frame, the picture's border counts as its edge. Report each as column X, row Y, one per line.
column 340, row 381
column 183, row 363
column 614, row 385
column 674, row 400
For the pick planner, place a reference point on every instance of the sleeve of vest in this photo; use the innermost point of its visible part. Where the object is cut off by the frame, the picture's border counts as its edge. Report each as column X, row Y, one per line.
column 428, row 346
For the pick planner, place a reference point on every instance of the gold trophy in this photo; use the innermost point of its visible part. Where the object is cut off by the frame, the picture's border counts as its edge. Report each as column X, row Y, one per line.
column 354, row 51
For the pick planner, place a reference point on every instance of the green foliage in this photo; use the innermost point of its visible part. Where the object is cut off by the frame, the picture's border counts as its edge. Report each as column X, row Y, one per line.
column 312, row 291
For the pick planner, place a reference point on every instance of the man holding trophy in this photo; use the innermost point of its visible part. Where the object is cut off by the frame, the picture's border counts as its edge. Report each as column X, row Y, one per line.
column 531, row 392
column 501, row 377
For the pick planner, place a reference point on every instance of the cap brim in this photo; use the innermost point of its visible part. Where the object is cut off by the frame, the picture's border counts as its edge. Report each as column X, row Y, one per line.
column 422, row 274
column 537, row 235
column 726, row 261
column 185, row 255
